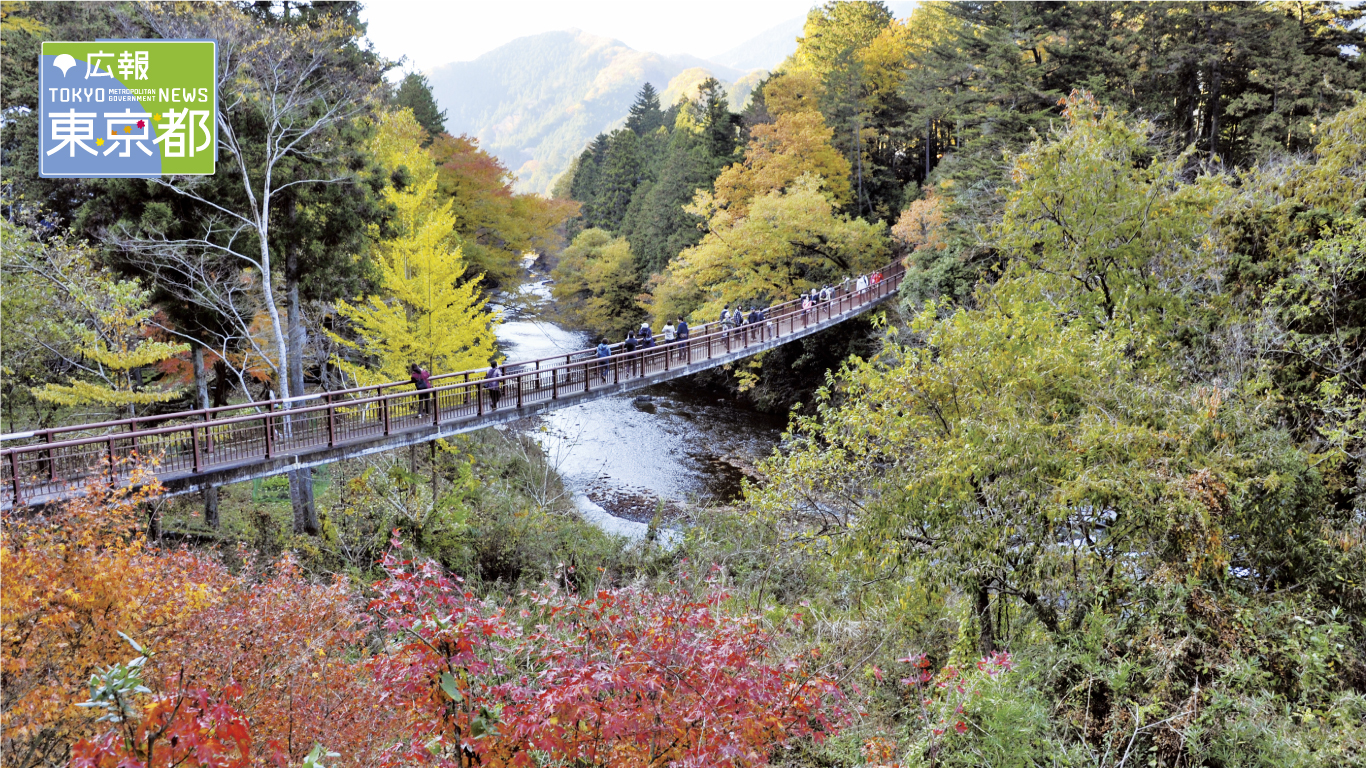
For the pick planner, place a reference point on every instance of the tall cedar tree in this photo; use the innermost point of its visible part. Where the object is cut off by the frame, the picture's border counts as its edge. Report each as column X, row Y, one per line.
column 415, row 93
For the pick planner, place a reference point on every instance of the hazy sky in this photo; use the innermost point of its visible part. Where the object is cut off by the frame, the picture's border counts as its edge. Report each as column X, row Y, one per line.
column 431, row 33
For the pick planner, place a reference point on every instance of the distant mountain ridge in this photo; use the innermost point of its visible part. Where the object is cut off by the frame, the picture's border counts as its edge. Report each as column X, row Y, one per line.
column 538, row 100
column 765, row 50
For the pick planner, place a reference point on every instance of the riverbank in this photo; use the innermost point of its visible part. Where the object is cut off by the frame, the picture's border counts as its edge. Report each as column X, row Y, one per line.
column 643, row 457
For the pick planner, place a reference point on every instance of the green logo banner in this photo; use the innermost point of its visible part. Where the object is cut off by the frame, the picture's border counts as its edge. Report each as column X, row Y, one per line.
column 118, row 108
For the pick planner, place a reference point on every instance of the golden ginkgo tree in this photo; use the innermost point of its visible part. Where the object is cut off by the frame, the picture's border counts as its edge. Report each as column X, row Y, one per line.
column 427, row 311
column 115, row 351
column 81, row 319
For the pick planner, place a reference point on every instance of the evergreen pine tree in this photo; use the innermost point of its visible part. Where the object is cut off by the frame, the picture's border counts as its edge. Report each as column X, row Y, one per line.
column 584, row 186
column 645, row 117
column 709, row 117
column 621, row 173
column 415, row 93
column 662, row 228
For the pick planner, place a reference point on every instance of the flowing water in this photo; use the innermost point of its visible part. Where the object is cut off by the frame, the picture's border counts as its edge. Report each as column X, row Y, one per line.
column 624, row 458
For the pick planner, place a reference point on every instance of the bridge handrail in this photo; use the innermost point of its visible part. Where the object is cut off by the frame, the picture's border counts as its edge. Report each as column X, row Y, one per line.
column 336, row 402
column 352, row 394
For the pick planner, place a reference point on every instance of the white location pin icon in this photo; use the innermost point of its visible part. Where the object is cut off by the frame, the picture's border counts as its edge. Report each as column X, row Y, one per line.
column 64, row 62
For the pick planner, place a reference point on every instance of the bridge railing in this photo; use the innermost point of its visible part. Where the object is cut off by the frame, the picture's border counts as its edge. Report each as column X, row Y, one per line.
column 156, row 421
column 191, row 442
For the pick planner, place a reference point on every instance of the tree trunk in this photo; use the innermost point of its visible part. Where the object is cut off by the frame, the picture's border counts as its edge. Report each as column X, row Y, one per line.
column 858, row 158
column 986, row 634
column 281, row 363
column 201, row 383
column 1216, row 82
column 221, row 385
column 300, row 480
column 929, row 142
column 154, row 522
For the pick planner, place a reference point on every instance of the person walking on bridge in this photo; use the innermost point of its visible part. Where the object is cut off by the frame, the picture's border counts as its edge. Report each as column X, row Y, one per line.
column 422, row 382
column 604, row 352
column 492, row 384
column 683, row 333
column 629, row 348
column 645, row 339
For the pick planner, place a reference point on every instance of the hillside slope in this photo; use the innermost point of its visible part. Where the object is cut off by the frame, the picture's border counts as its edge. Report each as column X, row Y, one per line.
column 537, row 101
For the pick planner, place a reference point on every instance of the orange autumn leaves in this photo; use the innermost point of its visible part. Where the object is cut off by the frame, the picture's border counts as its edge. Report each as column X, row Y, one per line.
column 280, row 644
column 260, row 665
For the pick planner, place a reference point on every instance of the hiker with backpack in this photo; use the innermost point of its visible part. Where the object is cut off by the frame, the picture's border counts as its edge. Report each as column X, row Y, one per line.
column 492, row 384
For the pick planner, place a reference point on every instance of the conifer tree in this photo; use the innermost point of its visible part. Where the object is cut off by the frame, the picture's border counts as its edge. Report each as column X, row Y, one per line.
column 662, row 227
column 621, row 173
column 415, row 93
column 645, row 117
column 709, row 116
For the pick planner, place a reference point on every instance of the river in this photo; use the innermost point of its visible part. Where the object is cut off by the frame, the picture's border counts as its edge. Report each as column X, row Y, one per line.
column 625, row 459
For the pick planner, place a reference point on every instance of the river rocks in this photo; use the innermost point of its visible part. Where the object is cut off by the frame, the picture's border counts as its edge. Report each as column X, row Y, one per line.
column 636, row 504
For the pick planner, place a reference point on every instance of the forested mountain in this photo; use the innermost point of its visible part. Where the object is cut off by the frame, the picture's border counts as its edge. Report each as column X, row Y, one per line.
column 535, row 102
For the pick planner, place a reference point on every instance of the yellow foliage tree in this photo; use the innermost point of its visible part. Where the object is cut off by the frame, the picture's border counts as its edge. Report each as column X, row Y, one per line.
column 790, row 242
column 104, row 336
column 793, row 91
column 795, row 145
column 427, row 313
column 921, row 225
column 597, row 280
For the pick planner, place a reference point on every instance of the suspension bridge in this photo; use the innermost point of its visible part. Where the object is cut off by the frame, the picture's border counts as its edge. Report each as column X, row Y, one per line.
column 188, row 451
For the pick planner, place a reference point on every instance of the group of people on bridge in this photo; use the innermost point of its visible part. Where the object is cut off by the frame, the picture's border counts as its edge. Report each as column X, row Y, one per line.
column 674, row 333
column 753, row 318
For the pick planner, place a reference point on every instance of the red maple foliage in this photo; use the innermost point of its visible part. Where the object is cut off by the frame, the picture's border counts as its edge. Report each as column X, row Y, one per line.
column 189, row 729
column 623, row 677
column 287, row 645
